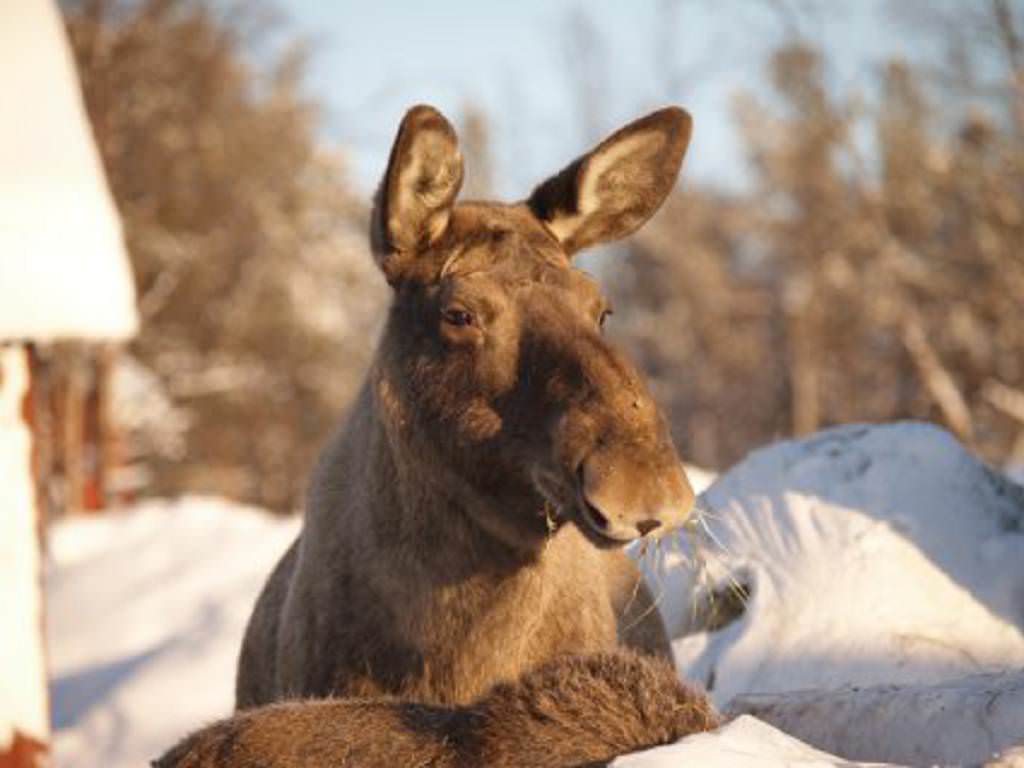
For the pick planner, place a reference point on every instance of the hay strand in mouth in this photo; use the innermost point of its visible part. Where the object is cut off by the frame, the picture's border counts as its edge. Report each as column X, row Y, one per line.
column 715, row 601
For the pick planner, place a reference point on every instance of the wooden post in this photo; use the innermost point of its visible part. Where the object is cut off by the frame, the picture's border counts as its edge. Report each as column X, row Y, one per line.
column 74, row 429
column 24, row 707
column 39, row 417
column 107, row 443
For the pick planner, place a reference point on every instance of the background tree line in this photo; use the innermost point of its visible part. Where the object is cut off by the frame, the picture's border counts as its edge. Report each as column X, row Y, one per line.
column 873, row 269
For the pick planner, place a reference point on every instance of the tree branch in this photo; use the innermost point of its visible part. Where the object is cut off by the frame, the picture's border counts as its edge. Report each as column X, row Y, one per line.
column 937, row 380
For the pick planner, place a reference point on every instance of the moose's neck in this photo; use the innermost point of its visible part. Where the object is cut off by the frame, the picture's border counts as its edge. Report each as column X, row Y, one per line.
column 431, row 577
column 429, row 515
column 382, row 481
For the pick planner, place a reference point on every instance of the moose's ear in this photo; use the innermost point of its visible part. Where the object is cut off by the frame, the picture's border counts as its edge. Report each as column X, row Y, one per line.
column 414, row 201
column 609, row 192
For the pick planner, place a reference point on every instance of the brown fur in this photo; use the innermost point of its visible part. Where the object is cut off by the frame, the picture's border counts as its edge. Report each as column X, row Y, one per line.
column 464, row 525
column 570, row 712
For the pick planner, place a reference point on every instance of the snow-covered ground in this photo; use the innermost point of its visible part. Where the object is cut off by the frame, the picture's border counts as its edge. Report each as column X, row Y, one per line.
column 965, row 719
column 745, row 742
column 872, row 555
column 146, row 611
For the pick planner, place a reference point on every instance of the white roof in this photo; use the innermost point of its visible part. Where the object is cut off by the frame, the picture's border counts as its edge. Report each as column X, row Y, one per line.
column 64, row 272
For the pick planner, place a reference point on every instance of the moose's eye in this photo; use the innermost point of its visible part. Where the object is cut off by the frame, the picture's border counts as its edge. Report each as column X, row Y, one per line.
column 457, row 316
column 604, row 316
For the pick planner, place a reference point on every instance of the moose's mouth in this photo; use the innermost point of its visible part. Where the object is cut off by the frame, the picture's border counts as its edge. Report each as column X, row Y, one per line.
column 571, row 505
column 593, row 524
column 568, row 505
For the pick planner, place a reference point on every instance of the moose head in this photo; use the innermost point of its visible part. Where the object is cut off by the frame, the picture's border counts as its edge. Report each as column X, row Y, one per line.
column 494, row 371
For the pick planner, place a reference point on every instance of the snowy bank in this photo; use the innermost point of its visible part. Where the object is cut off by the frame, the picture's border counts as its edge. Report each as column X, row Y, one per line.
column 872, row 556
column 145, row 618
column 746, row 742
column 965, row 720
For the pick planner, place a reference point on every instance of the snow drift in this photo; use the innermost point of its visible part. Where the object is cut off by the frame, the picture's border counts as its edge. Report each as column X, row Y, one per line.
column 145, row 618
column 872, row 555
column 970, row 718
column 745, row 742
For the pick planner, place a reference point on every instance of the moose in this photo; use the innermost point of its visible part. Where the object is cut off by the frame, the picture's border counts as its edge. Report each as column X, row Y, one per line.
column 466, row 523
column 573, row 710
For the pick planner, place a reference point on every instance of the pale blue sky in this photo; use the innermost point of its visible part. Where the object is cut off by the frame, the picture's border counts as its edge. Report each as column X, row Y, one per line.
column 372, row 60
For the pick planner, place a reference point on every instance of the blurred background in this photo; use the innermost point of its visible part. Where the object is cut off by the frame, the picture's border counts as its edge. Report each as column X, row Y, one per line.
column 845, row 243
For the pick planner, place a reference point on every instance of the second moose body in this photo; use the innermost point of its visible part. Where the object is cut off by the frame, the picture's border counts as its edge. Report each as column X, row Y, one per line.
column 465, row 524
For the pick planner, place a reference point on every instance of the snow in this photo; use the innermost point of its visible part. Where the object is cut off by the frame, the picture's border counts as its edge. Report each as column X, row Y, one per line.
column 700, row 478
column 63, row 268
column 1016, row 473
column 745, row 742
column 146, row 611
column 22, row 692
column 973, row 717
column 886, row 568
column 874, row 556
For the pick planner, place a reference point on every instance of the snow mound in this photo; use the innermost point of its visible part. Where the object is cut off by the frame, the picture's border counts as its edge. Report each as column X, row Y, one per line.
column 962, row 721
column 872, row 555
column 146, row 611
column 745, row 742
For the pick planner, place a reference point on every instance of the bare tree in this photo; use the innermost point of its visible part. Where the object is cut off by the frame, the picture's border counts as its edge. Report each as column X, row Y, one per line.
column 255, row 294
column 847, row 284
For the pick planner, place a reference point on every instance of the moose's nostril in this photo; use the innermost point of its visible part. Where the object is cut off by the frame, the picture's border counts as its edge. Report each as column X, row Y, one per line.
column 646, row 526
